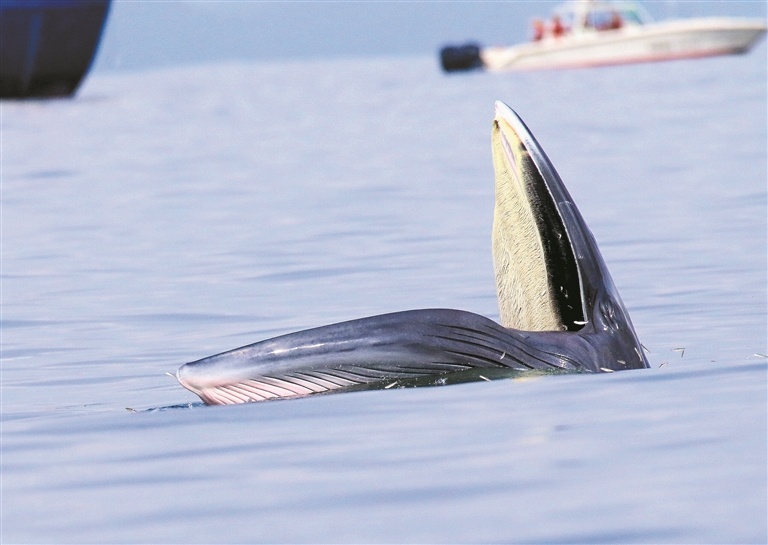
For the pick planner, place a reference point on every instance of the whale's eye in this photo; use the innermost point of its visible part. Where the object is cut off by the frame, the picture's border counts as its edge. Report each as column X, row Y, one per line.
column 608, row 313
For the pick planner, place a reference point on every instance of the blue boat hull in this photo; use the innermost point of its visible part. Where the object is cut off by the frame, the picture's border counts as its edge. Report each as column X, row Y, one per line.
column 47, row 46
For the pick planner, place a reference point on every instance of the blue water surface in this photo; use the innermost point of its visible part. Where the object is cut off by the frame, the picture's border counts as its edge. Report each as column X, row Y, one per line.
column 165, row 215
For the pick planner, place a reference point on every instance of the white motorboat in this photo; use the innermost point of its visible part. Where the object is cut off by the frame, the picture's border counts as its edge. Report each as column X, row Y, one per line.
column 595, row 33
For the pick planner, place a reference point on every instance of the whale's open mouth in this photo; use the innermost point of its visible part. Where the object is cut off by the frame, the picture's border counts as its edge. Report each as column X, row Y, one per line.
column 537, row 274
column 560, row 310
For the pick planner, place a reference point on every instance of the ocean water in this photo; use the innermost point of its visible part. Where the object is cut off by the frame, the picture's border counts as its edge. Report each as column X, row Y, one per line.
column 165, row 215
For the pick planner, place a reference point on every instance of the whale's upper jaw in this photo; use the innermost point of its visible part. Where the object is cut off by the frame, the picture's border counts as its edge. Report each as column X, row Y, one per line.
column 580, row 291
column 537, row 274
column 574, row 269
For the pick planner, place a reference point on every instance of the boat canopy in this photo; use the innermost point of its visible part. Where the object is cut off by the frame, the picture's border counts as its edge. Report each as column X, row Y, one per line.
column 587, row 15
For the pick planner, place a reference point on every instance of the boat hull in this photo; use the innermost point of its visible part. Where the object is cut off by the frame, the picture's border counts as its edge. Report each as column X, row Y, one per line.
column 47, row 46
column 654, row 42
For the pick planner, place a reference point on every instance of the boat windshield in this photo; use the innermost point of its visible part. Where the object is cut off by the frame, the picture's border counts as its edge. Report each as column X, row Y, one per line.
column 595, row 15
column 634, row 16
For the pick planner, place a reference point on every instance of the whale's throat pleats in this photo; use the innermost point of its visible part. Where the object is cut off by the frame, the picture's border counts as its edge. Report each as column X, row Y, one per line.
column 537, row 278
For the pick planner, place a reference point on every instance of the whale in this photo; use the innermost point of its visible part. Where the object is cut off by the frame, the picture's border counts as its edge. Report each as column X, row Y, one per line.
column 559, row 309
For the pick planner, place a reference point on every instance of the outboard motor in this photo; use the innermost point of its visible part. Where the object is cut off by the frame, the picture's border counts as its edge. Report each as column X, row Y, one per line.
column 462, row 57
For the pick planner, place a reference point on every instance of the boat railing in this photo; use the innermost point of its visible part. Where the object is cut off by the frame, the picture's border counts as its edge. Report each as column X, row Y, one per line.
column 588, row 16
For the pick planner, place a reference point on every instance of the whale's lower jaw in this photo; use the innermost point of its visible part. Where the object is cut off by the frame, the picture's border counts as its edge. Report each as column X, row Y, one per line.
column 403, row 347
column 303, row 384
